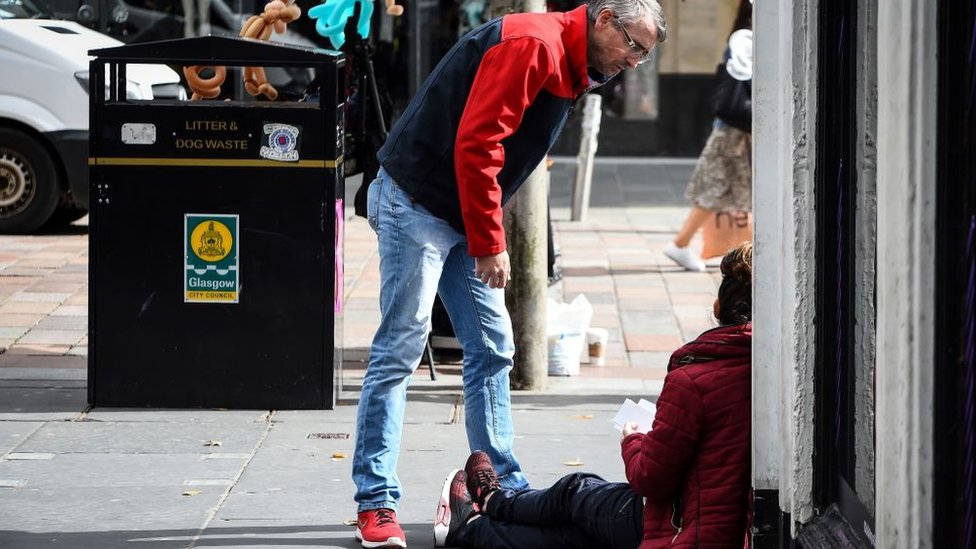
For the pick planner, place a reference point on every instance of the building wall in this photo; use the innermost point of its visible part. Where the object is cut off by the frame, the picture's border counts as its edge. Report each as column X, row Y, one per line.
column 865, row 256
column 893, row 259
column 697, row 35
column 907, row 99
column 784, row 131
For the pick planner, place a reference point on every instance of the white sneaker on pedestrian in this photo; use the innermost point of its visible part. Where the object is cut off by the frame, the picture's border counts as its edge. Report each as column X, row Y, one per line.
column 686, row 257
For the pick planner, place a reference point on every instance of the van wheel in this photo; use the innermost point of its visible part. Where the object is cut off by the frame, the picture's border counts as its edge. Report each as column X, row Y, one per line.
column 29, row 183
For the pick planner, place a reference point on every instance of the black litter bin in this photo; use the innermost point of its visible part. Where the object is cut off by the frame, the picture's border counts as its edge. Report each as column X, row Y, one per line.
column 215, row 235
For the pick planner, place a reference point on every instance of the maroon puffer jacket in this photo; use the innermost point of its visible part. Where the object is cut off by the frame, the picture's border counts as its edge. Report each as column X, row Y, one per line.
column 693, row 467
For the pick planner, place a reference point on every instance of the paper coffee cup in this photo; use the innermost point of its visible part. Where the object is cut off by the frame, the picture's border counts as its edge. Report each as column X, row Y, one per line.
column 596, row 340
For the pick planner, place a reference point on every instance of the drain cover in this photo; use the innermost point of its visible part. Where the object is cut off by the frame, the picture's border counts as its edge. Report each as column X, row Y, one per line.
column 340, row 436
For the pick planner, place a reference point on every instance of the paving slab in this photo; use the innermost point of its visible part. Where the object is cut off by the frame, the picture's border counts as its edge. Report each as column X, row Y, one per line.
column 14, row 433
column 112, row 470
column 145, row 437
column 90, row 517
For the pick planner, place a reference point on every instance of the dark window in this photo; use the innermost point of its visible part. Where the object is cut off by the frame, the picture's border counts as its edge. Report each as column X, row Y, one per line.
column 955, row 330
column 836, row 179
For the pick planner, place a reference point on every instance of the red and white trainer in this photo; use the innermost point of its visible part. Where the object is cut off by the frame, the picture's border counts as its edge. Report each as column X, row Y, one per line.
column 454, row 510
column 378, row 528
column 482, row 479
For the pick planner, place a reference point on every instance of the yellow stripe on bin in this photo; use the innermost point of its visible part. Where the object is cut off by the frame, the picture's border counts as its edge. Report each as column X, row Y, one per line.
column 212, row 162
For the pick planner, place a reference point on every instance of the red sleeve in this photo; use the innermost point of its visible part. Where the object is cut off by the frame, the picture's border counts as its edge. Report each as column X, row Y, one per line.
column 510, row 76
column 656, row 463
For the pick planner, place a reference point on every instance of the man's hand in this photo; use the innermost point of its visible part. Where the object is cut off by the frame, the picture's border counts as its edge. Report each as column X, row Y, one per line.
column 493, row 270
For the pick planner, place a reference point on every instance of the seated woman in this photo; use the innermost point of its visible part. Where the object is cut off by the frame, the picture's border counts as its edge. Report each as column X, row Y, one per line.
column 687, row 478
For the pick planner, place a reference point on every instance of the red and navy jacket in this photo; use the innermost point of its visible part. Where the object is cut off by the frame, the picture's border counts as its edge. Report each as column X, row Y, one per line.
column 486, row 117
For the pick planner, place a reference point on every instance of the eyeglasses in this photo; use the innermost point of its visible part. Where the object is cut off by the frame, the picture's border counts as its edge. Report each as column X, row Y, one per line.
column 643, row 54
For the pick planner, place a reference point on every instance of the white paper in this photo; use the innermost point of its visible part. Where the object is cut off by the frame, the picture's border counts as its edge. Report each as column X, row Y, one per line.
column 641, row 413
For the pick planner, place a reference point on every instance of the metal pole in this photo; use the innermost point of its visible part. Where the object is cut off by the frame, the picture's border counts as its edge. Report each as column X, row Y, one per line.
column 592, row 115
column 526, row 218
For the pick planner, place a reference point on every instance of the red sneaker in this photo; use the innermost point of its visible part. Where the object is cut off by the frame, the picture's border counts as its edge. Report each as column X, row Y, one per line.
column 482, row 479
column 454, row 510
column 379, row 528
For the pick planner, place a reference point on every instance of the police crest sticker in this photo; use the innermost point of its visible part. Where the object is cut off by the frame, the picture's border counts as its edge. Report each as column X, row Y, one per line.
column 282, row 142
column 210, row 258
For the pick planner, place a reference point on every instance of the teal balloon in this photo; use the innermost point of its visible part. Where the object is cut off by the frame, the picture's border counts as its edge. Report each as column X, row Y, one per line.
column 331, row 16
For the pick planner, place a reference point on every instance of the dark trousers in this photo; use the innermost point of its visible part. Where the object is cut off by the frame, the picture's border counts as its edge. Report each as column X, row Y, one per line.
column 579, row 510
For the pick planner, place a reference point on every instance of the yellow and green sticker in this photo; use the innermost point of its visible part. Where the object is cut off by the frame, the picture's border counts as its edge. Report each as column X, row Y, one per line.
column 211, row 261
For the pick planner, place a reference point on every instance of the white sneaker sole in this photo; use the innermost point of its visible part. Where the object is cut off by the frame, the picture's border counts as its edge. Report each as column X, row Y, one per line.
column 695, row 267
column 442, row 516
column 388, row 544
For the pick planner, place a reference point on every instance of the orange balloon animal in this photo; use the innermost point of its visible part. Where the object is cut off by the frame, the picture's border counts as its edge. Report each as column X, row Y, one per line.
column 275, row 17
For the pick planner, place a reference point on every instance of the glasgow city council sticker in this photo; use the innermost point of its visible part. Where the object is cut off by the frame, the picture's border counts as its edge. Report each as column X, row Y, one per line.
column 210, row 258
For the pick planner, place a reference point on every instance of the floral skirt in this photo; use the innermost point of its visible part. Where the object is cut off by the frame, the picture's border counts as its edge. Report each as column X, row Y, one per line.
column 722, row 180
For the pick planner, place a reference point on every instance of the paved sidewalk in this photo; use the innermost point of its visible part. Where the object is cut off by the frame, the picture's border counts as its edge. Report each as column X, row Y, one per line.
column 76, row 477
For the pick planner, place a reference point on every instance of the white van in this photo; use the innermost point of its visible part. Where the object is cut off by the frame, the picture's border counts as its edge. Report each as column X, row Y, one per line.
column 44, row 113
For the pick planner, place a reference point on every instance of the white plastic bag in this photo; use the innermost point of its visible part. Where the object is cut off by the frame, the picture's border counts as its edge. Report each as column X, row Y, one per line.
column 566, row 325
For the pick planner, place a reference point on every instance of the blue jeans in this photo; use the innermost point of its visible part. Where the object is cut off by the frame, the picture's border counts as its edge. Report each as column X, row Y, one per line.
column 580, row 510
column 422, row 256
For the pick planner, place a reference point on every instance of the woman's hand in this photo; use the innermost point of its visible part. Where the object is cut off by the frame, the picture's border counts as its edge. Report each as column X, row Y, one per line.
column 629, row 428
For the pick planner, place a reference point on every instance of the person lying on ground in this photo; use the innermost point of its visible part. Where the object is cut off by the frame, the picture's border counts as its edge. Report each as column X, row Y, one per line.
column 687, row 478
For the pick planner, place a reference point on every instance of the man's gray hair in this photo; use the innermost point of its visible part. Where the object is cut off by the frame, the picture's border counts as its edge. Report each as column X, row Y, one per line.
column 631, row 11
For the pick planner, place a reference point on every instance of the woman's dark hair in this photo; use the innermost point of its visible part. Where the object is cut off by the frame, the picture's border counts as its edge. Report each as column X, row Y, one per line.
column 735, row 292
column 743, row 17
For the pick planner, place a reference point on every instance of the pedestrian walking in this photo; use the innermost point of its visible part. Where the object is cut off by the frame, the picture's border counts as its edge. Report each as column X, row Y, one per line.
column 722, row 179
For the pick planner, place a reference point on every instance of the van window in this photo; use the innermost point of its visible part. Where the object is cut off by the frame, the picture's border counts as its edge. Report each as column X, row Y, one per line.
column 22, row 9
